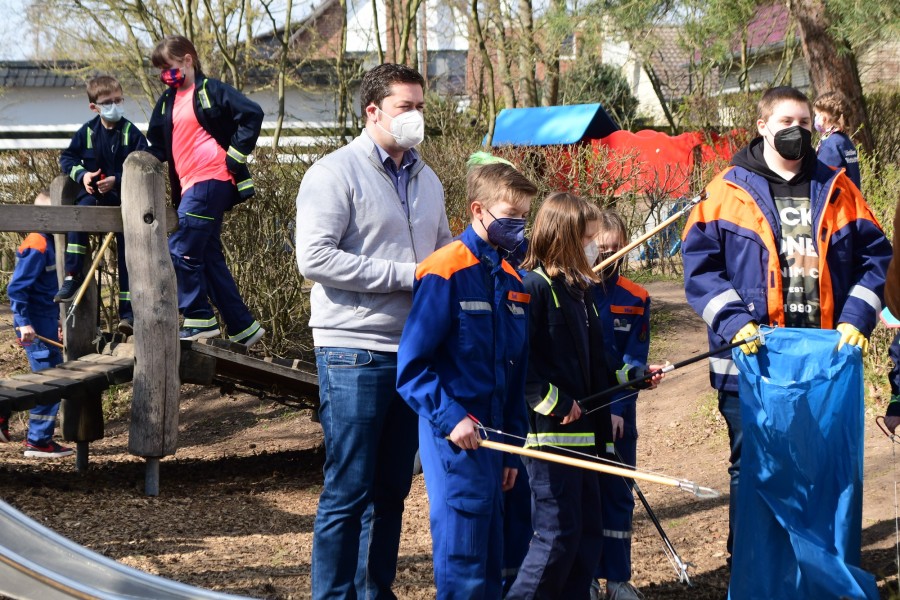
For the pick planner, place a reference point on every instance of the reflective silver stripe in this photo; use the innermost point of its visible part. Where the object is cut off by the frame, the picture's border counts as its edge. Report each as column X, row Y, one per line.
column 244, row 185
column 50, row 268
column 867, row 296
column 618, row 535
column 204, row 97
column 245, row 333
column 549, row 402
column 90, row 139
column 723, row 366
column 475, row 305
column 125, row 131
column 200, row 323
column 75, row 171
column 76, row 249
column 34, row 417
column 559, row 439
column 125, row 296
column 717, row 303
column 236, row 154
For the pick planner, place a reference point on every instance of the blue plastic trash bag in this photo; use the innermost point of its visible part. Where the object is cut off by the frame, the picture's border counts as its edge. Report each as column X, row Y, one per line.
column 799, row 512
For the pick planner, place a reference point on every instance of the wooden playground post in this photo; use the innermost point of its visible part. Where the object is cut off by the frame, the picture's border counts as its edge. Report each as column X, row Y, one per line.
column 154, row 406
column 81, row 412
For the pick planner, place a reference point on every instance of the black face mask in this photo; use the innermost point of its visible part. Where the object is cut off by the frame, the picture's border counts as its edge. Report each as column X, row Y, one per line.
column 793, row 143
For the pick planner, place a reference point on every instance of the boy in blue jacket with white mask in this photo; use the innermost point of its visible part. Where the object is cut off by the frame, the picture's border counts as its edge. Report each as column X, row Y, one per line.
column 94, row 160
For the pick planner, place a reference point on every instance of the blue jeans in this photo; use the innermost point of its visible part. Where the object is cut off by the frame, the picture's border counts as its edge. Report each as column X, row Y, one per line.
column 730, row 407
column 370, row 445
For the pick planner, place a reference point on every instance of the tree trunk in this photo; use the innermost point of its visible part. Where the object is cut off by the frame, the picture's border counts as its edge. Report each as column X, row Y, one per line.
column 527, row 56
column 660, row 95
column 486, row 63
column 832, row 64
column 503, row 63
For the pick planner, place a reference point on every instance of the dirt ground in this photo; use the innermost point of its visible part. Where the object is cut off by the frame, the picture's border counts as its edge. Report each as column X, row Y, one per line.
column 237, row 502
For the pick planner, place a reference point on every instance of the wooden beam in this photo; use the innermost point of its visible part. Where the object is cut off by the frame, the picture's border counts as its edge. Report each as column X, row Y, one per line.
column 153, row 430
column 25, row 218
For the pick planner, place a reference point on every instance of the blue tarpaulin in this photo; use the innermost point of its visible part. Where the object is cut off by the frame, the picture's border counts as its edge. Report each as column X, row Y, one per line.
column 551, row 125
column 799, row 511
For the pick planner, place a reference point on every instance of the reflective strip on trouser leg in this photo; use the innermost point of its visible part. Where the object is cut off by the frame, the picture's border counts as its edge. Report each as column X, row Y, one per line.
column 245, row 333
column 200, row 323
column 76, row 249
column 617, row 535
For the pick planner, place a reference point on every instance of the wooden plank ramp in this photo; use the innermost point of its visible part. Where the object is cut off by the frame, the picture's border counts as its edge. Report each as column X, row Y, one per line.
column 90, row 374
column 209, row 359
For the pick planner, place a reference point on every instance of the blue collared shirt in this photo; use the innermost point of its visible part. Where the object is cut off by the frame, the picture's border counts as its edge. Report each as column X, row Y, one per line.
column 399, row 175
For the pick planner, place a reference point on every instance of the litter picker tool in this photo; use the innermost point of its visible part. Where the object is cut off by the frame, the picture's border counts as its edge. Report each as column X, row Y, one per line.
column 681, row 567
column 667, row 369
column 680, row 213
column 682, row 484
column 48, row 341
column 89, row 276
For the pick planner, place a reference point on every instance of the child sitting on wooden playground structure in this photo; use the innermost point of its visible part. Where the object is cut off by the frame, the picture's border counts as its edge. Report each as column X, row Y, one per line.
column 94, row 159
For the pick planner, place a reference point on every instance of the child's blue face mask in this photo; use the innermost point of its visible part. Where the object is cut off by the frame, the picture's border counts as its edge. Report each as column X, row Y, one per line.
column 111, row 112
column 506, row 233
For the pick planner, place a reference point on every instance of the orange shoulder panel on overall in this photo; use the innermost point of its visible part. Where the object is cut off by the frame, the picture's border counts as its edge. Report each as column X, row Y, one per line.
column 34, row 241
column 446, row 261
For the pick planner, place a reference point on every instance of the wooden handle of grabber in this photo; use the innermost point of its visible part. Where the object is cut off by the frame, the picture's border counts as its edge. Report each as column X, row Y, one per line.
column 699, row 491
column 90, row 273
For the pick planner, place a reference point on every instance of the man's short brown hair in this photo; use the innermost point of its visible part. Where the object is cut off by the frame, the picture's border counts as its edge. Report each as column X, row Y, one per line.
column 496, row 182
column 102, row 85
column 376, row 83
column 777, row 95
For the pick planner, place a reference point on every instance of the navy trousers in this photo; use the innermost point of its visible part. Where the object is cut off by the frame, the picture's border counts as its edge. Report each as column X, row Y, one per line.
column 568, row 534
column 77, row 247
column 199, row 261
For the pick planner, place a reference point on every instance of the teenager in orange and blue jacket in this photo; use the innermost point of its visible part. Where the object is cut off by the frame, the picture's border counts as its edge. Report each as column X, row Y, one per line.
column 782, row 239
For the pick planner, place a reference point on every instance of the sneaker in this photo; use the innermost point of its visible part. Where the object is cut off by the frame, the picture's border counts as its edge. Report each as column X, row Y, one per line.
column 596, row 592
column 195, row 333
column 125, row 327
column 68, row 290
column 622, row 590
column 252, row 338
column 4, row 429
column 49, row 450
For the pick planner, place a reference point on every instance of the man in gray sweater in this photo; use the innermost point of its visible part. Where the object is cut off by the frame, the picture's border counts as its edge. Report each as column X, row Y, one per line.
column 366, row 215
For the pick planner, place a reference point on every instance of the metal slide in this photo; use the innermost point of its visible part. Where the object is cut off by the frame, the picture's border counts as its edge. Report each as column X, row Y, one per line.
column 37, row 563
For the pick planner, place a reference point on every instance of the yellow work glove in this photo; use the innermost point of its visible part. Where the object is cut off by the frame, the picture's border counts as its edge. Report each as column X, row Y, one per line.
column 851, row 335
column 748, row 330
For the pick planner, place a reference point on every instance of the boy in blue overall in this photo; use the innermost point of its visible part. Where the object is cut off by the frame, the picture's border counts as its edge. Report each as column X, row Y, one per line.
column 94, row 159
column 30, row 293
column 462, row 357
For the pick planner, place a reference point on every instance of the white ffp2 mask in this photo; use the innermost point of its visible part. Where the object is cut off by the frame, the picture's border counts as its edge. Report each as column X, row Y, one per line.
column 407, row 129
